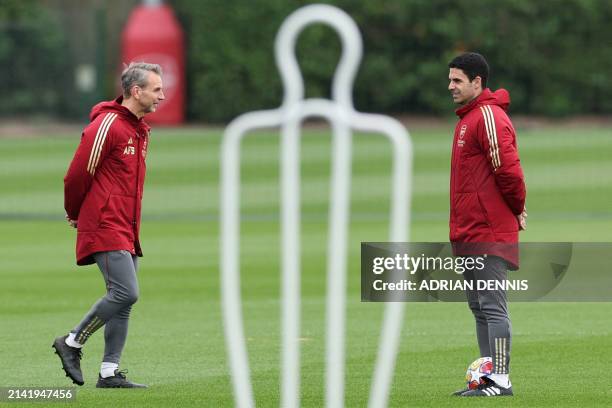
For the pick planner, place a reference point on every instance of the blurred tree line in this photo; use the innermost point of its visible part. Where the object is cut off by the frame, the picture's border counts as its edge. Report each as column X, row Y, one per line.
column 551, row 55
column 33, row 65
column 59, row 57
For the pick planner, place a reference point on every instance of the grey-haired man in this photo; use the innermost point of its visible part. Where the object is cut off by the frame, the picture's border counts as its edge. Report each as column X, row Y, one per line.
column 102, row 197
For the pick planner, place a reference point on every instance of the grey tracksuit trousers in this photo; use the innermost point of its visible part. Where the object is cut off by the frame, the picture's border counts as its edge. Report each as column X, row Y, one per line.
column 490, row 309
column 113, row 310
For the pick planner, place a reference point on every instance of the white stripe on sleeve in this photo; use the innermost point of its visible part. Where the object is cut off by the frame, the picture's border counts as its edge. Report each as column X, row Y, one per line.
column 96, row 150
column 489, row 120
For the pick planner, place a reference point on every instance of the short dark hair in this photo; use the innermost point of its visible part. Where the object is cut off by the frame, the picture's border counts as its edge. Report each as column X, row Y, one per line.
column 473, row 65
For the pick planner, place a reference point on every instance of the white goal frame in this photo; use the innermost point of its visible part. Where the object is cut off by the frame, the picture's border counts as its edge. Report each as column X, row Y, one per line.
column 343, row 117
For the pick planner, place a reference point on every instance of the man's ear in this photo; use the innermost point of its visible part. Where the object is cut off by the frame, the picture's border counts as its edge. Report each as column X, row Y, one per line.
column 478, row 82
column 135, row 91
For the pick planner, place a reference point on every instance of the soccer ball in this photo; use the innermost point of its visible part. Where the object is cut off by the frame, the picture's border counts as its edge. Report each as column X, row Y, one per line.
column 477, row 370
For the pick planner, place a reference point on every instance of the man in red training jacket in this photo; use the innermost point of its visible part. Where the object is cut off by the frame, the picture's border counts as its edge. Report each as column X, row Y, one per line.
column 487, row 208
column 102, row 197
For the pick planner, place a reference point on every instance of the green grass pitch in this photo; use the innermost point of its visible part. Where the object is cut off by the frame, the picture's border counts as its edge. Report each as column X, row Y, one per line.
column 560, row 355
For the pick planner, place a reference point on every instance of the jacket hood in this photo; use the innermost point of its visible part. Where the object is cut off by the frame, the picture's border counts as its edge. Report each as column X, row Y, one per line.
column 501, row 98
column 116, row 107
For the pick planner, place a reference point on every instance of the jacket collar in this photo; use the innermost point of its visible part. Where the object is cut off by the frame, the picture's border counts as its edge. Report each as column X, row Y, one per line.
column 129, row 115
column 116, row 107
column 462, row 111
column 501, row 98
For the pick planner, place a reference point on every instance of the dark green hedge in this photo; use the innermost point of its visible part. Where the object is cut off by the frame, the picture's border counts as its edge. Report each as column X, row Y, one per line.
column 553, row 55
column 36, row 73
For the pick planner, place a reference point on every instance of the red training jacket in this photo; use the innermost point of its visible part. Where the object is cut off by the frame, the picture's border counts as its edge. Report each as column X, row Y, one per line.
column 487, row 186
column 104, row 183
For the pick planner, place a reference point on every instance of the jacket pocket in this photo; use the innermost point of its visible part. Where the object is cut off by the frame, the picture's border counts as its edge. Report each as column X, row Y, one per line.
column 497, row 212
column 91, row 211
column 471, row 216
column 118, row 213
column 483, row 209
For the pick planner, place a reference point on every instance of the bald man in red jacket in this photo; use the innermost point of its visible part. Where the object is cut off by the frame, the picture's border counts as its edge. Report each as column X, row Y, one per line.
column 102, row 197
column 487, row 208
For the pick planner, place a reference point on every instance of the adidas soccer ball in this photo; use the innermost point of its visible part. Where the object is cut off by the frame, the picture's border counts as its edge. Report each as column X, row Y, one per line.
column 477, row 370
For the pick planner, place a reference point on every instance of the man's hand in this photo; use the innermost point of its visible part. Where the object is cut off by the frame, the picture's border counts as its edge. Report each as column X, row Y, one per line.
column 522, row 219
column 73, row 223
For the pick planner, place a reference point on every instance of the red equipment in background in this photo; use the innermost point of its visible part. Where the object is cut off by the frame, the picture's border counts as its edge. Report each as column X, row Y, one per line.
column 153, row 34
